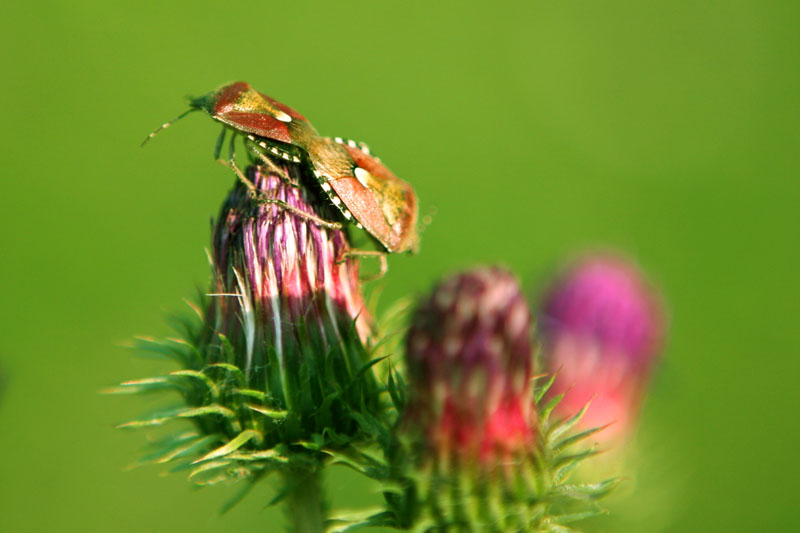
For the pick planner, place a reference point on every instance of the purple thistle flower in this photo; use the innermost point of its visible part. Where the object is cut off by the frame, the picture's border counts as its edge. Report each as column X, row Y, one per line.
column 602, row 327
column 286, row 291
column 469, row 360
column 276, row 366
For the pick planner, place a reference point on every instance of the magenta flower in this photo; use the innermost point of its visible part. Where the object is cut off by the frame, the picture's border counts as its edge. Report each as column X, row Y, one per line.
column 602, row 328
column 469, row 359
column 293, row 283
column 281, row 355
column 275, row 372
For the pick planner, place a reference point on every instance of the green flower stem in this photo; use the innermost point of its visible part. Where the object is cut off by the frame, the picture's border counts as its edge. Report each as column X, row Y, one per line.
column 305, row 502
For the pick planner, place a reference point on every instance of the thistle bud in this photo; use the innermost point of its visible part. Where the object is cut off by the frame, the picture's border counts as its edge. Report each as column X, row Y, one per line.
column 284, row 282
column 469, row 360
column 602, row 330
column 476, row 454
column 277, row 367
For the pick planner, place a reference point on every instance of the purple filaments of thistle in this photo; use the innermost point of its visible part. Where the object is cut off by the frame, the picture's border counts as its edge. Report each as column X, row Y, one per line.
column 283, row 281
column 469, row 359
column 602, row 327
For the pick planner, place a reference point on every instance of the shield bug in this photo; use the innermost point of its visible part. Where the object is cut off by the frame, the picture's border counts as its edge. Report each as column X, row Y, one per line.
column 358, row 184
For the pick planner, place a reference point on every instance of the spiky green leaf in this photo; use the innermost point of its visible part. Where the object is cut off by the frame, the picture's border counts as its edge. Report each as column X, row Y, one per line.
column 237, row 442
column 562, row 427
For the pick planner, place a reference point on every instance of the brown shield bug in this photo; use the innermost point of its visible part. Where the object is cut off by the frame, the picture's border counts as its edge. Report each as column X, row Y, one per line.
column 358, row 184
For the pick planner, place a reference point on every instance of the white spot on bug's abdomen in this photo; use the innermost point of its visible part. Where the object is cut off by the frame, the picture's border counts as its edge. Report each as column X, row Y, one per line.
column 325, row 186
column 336, row 200
column 362, row 176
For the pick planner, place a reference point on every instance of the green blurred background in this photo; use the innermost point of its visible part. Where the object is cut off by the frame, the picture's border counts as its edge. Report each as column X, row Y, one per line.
column 667, row 129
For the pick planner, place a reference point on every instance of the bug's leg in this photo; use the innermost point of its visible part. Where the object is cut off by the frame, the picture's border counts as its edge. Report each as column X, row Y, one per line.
column 251, row 188
column 220, row 140
column 264, row 199
column 384, row 267
column 275, row 169
column 232, row 148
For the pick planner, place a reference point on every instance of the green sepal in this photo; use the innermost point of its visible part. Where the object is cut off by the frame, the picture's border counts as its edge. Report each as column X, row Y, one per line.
column 544, row 412
column 233, row 445
column 245, row 489
column 539, row 392
column 183, row 448
column 561, row 427
column 245, row 428
column 346, row 522
column 162, row 417
column 559, row 446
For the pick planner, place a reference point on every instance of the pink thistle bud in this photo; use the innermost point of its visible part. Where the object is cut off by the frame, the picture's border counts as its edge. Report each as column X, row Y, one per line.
column 276, row 366
column 602, row 328
column 469, row 359
column 287, row 294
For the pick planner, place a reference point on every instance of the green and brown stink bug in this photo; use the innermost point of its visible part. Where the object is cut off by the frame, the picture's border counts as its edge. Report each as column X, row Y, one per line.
column 358, row 184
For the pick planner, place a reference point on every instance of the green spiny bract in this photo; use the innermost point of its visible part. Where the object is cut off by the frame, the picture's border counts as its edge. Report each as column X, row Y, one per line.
column 274, row 368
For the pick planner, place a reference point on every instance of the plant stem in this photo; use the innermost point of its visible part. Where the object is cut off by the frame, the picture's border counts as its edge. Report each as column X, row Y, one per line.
column 305, row 502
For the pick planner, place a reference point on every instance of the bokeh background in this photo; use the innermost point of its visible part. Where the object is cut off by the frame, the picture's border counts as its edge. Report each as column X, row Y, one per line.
column 667, row 129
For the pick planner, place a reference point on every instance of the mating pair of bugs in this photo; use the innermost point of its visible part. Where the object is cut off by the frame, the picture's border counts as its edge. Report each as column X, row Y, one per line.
column 364, row 190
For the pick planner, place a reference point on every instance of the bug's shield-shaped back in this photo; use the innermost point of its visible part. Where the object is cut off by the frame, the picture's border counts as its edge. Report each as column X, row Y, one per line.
column 383, row 203
column 243, row 108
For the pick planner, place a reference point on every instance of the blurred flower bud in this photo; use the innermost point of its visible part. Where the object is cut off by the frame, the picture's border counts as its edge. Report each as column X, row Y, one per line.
column 602, row 328
column 469, row 361
column 473, row 451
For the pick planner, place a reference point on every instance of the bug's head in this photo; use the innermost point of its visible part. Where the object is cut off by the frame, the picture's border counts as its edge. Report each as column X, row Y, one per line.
column 210, row 103
column 221, row 98
column 206, row 103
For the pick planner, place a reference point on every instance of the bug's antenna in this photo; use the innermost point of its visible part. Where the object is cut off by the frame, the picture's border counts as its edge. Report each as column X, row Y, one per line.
column 168, row 124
